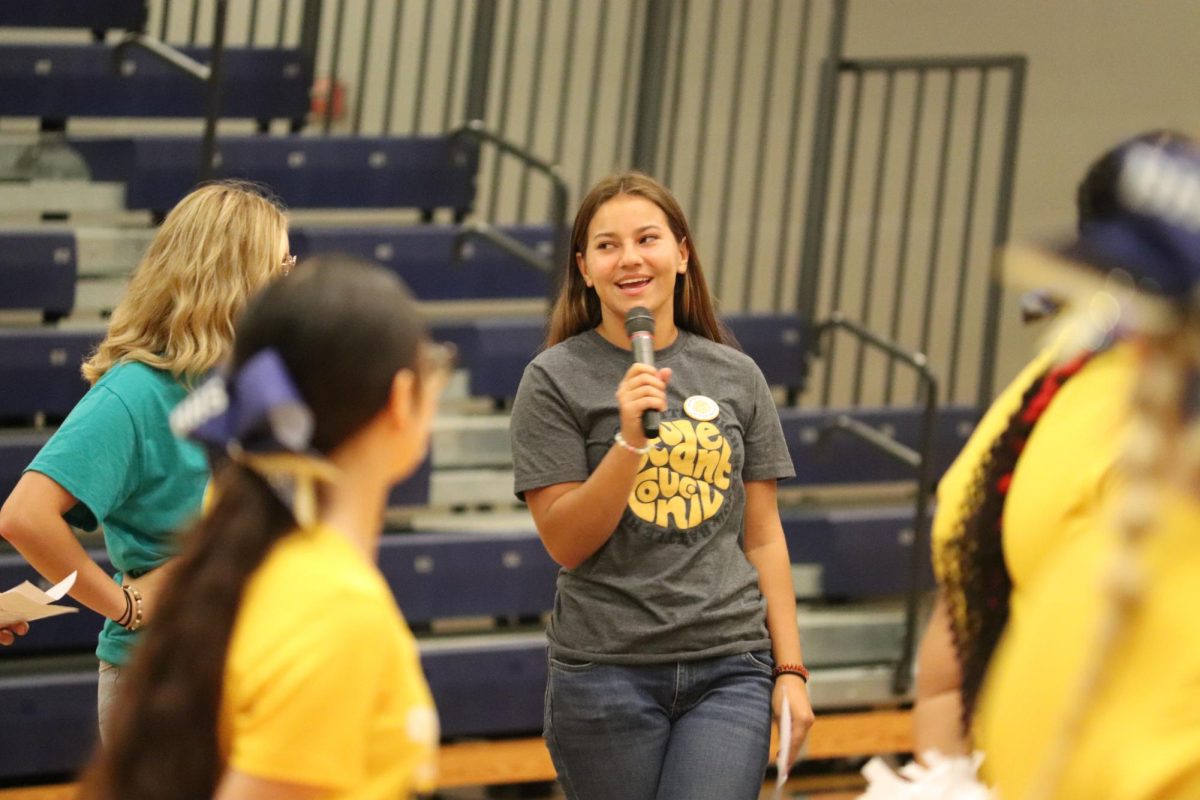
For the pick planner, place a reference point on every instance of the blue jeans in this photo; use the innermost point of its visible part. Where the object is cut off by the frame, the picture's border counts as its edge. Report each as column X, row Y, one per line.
column 692, row 730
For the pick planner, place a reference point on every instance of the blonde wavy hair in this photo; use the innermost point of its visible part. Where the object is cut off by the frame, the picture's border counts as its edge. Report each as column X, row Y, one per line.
column 215, row 249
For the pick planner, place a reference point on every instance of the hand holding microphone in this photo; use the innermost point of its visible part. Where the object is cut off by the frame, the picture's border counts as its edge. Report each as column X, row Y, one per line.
column 642, row 394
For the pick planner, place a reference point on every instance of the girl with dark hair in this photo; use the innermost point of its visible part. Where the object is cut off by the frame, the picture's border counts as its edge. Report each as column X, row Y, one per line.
column 278, row 665
column 1031, row 482
column 673, row 636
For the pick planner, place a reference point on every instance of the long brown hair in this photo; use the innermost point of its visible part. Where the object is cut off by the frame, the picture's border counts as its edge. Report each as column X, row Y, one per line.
column 577, row 307
column 344, row 329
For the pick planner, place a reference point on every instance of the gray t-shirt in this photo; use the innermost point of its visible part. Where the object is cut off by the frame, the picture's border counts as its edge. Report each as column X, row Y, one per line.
column 672, row 582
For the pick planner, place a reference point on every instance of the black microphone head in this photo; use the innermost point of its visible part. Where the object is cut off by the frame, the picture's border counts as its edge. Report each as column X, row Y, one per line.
column 639, row 320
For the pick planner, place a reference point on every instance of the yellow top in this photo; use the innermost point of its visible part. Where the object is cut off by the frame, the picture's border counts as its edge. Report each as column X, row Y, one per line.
column 958, row 479
column 1141, row 738
column 323, row 684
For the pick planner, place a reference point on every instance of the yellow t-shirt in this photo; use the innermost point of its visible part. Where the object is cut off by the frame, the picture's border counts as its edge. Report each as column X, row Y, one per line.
column 1062, row 474
column 323, row 684
column 1141, row 736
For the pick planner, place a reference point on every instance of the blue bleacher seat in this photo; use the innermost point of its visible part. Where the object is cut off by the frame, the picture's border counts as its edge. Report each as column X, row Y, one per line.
column 39, row 369
column 862, row 553
column 487, row 686
column 832, row 457
column 424, row 257
column 129, row 15
column 484, row 685
column 37, row 271
column 421, row 172
column 80, row 80
column 452, row 574
column 495, row 350
column 468, row 574
column 47, row 722
column 17, row 449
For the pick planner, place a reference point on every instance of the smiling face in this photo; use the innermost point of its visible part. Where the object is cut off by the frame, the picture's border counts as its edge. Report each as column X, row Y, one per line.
column 633, row 259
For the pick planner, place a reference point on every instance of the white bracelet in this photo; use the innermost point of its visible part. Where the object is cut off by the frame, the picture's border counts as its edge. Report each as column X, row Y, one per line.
column 641, row 451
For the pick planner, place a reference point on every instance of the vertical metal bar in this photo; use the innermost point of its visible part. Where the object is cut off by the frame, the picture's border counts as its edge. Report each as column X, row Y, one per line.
column 365, row 47
column 864, row 308
column 394, row 66
column 818, row 175
column 1000, row 228
column 310, row 29
column 282, row 24
column 764, row 124
column 839, row 261
column 164, row 24
column 622, row 146
column 252, row 26
column 676, row 88
column 650, row 87
column 964, row 253
column 212, row 98
column 914, row 154
column 481, row 60
column 717, row 270
column 195, row 23
column 564, row 89
column 793, row 150
column 589, row 136
column 423, row 68
column 452, row 79
column 902, row 678
column 939, row 204
column 510, row 49
column 703, row 119
column 333, row 64
column 539, row 51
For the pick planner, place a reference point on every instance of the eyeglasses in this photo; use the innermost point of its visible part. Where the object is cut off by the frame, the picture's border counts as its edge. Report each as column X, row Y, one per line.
column 289, row 261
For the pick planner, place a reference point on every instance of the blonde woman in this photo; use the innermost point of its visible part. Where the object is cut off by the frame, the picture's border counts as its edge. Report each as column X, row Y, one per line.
column 114, row 462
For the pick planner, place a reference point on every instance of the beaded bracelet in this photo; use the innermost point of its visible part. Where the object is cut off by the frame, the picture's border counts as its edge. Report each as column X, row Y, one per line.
column 133, row 614
column 790, row 669
column 641, row 451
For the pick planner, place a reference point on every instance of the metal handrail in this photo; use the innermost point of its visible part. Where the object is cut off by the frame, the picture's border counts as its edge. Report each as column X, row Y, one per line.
column 921, row 460
column 211, row 74
column 490, row 233
column 475, row 129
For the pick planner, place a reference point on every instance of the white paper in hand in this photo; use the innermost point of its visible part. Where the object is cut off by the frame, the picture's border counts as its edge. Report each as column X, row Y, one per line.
column 783, row 764
column 26, row 602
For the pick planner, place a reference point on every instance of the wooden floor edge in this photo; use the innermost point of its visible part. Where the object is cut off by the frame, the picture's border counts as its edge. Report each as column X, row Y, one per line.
column 844, row 735
column 491, row 762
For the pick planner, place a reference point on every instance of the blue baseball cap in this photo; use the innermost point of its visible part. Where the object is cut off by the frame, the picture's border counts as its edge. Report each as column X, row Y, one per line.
column 1153, row 236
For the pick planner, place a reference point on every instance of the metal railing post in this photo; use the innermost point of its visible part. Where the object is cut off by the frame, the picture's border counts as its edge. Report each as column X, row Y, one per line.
column 480, row 70
column 656, row 33
column 212, row 98
column 1001, row 229
column 818, row 180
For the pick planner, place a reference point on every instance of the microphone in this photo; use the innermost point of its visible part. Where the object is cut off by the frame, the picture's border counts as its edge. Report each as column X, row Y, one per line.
column 639, row 324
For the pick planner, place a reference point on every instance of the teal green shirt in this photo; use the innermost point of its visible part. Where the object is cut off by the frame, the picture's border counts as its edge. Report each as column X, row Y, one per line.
column 116, row 455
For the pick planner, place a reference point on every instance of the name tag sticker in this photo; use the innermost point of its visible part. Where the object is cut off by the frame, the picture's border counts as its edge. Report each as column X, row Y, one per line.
column 701, row 408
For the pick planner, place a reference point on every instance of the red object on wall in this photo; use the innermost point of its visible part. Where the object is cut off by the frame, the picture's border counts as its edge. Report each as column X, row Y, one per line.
column 320, row 95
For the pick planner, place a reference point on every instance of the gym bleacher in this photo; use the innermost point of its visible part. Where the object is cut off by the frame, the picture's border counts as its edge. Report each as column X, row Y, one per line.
column 460, row 553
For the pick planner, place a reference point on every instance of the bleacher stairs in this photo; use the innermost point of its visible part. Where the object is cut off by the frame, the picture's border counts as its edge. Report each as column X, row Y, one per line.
column 461, row 555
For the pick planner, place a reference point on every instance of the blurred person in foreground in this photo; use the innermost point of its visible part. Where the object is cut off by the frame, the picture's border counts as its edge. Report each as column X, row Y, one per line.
column 1031, row 479
column 1096, row 693
column 279, row 665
